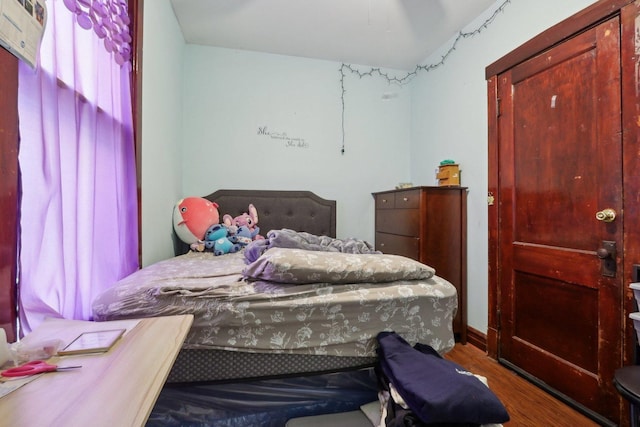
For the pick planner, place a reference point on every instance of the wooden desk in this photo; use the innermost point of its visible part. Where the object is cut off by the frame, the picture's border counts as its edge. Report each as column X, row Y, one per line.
column 116, row 388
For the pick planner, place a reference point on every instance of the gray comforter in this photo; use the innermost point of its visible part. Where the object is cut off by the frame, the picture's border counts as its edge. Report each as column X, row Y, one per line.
column 291, row 239
column 291, row 301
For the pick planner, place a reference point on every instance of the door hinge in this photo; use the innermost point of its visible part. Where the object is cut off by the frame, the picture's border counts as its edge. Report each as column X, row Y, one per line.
column 498, row 107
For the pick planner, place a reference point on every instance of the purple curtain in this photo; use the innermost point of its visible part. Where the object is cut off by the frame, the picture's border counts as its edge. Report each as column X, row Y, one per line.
column 78, row 226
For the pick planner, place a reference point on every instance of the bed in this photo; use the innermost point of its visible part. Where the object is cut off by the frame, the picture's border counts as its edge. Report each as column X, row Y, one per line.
column 286, row 310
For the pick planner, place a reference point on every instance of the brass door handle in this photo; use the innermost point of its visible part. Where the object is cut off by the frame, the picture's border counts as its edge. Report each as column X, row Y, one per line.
column 606, row 215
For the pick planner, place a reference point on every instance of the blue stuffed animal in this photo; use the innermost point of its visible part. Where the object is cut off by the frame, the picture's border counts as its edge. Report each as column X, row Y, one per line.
column 217, row 239
column 241, row 235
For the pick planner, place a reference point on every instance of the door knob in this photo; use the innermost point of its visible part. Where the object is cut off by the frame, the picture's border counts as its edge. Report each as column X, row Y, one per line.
column 606, row 215
column 607, row 254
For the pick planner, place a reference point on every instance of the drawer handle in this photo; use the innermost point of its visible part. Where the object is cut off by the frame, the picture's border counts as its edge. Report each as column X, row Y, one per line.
column 382, row 245
column 384, row 200
column 406, row 199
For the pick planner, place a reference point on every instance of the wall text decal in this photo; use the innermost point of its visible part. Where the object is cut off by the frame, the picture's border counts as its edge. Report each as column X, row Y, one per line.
column 289, row 141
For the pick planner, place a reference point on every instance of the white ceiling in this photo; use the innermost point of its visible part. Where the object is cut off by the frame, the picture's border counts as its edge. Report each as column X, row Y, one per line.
column 395, row 34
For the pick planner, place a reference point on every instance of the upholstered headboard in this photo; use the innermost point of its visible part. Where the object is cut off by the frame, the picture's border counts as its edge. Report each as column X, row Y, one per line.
column 296, row 210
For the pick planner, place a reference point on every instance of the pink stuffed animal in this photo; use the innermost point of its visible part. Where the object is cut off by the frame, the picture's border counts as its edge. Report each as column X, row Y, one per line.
column 250, row 220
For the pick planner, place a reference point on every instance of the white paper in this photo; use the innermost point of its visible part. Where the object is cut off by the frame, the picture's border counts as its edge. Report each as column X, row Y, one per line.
column 22, row 24
column 7, row 385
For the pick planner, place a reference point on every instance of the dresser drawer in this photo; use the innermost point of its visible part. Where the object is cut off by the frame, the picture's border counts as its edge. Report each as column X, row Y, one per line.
column 405, row 222
column 408, row 199
column 398, row 245
column 385, row 201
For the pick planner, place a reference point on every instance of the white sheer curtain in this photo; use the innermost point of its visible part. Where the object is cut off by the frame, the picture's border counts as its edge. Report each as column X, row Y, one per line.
column 78, row 226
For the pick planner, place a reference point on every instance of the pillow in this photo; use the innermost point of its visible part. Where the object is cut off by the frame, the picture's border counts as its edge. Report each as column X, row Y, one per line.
column 296, row 266
column 435, row 389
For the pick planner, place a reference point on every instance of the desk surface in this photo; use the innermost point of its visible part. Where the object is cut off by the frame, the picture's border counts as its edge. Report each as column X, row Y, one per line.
column 116, row 388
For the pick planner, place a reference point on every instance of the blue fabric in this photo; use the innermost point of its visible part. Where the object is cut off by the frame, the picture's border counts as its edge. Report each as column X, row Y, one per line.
column 435, row 389
column 264, row 403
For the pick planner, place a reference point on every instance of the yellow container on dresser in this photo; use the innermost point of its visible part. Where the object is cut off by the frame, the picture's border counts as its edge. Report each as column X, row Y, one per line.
column 449, row 174
column 428, row 224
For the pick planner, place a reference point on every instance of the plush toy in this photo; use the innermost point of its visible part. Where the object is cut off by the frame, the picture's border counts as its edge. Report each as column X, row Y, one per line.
column 240, row 235
column 250, row 220
column 217, row 239
column 192, row 217
column 198, row 246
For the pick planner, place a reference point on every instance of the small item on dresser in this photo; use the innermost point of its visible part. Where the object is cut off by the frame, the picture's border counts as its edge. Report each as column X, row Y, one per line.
column 448, row 173
column 402, row 185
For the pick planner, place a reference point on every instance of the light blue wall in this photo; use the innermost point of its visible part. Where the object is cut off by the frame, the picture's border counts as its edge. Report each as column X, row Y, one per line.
column 203, row 107
column 239, row 105
column 162, row 128
column 449, row 110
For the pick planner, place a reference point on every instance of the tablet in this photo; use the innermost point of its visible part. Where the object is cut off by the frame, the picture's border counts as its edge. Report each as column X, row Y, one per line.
column 93, row 342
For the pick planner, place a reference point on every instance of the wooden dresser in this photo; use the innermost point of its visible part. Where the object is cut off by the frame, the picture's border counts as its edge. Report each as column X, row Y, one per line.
column 428, row 224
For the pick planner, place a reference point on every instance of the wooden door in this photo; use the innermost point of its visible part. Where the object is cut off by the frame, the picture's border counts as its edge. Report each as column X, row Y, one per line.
column 560, row 155
column 9, row 191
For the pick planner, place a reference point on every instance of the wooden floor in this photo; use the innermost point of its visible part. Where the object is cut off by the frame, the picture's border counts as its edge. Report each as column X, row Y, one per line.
column 527, row 404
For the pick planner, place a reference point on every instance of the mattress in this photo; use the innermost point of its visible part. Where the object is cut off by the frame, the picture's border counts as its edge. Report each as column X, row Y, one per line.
column 286, row 310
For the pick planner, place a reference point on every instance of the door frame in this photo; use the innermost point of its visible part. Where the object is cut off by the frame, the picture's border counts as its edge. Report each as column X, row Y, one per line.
column 629, row 13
